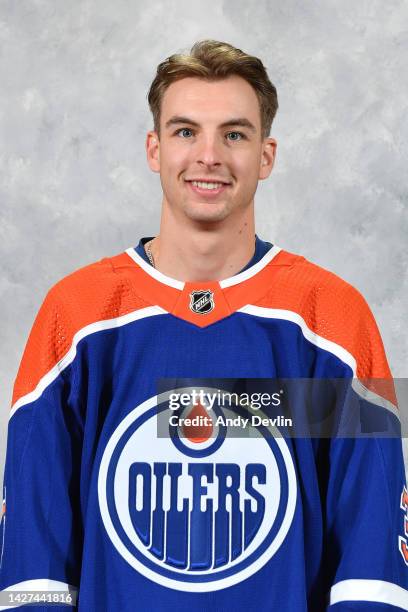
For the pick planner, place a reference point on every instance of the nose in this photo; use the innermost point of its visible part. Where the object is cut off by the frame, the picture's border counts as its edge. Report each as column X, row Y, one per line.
column 209, row 152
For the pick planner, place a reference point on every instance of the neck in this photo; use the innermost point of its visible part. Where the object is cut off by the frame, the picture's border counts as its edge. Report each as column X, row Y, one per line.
column 195, row 252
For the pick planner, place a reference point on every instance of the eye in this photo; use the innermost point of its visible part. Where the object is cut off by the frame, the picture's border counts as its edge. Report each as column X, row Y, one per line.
column 182, row 132
column 236, row 136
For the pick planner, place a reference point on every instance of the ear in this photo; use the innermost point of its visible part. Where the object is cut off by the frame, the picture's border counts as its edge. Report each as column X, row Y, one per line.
column 268, row 157
column 153, row 151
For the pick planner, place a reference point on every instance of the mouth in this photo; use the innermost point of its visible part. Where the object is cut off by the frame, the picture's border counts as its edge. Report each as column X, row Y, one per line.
column 207, row 188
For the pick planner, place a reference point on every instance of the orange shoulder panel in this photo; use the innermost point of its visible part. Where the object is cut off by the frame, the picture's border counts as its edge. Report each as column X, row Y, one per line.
column 336, row 311
column 92, row 293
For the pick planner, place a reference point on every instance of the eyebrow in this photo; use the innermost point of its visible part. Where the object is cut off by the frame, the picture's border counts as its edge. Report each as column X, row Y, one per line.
column 238, row 121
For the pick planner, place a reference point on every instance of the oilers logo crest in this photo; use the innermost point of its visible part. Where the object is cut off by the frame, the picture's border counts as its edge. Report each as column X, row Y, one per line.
column 194, row 513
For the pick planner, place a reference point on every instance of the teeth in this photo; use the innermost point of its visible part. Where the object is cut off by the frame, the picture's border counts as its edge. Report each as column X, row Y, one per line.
column 207, row 185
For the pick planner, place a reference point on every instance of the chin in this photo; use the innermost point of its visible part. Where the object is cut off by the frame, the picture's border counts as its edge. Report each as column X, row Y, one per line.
column 207, row 216
column 207, row 212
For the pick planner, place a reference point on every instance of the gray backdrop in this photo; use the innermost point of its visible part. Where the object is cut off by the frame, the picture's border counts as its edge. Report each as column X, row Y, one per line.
column 74, row 183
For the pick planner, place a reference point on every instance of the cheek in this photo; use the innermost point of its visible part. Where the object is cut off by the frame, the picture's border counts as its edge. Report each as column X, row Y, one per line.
column 247, row 168
column 174, row 158
column 175, row 169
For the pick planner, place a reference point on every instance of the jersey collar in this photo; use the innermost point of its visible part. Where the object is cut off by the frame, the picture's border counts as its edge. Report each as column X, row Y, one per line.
column 227, row 282
column 202, row 303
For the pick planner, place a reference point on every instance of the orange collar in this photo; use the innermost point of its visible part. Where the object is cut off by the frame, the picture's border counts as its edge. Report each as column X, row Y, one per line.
column 201, row 303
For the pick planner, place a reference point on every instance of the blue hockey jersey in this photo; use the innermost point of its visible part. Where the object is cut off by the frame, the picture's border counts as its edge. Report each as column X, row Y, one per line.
column 99, row 502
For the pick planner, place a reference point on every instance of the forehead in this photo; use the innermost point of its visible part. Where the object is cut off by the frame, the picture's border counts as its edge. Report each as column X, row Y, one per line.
column 213, row 101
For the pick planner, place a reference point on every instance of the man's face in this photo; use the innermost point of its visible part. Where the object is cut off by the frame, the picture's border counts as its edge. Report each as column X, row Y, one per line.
column 211, row 153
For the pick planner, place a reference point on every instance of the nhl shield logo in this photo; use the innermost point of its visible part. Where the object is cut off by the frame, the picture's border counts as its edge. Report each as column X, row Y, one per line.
column 202, row 302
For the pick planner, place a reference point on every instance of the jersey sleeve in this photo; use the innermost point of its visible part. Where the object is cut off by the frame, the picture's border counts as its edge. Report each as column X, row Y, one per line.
column 366, row 497
column 41, row 527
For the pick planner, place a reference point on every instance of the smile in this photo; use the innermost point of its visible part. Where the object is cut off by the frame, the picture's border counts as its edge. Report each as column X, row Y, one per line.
column 207, row 188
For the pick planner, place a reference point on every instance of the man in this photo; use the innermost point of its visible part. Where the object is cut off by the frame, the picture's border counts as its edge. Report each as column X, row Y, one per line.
column 100, row 500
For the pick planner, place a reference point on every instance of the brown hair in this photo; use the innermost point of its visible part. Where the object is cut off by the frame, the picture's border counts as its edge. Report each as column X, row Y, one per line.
column 214, row 60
